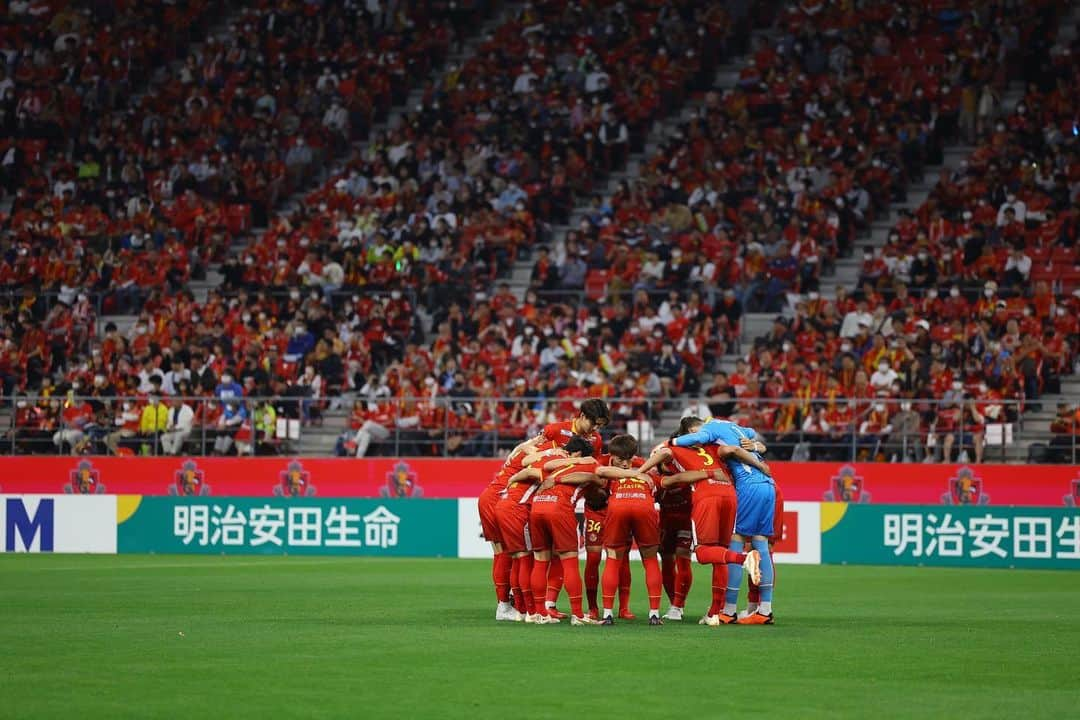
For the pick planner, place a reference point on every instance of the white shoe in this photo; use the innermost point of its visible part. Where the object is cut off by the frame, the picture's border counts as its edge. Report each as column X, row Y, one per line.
column 752, row 565
column 504, row 610
column 673, row 613
column 704, row 620
column 548, row 620
column 744, row 613
column 583, row 620
column 711, row 621
column 534, row 618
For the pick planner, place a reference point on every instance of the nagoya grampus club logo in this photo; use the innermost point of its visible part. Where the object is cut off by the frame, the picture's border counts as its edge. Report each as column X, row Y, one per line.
column 1073, row 499
column 294, row 481
column 85, row 480
column 847, row 486
column 401, row 482
column 189, row 480
column 965, row 489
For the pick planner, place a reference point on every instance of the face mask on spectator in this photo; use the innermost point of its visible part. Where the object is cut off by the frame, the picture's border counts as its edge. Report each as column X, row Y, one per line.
column 932, row 294
column 958, row 386
column 922, row 256
column 846, row 347
column 295, row 294
column 226, row 378
column 954, row 293
column 246, row 317
column 395, row 294
column 883, row 367
column 988, row 293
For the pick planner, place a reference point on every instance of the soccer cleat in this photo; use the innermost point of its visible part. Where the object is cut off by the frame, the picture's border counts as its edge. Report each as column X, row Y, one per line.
column 594, row 614
column 609, row 620
column 535, row 618
column 584, row 620
column 625, row 614
column 655, row 620
column 743, row 613
column 757, row 619
column 518, row 616
column 554, row 612
column 710, row 620
column 548, row 620
column 727, row 619
column 506, row 611
column 752, row 565
column 673, row 613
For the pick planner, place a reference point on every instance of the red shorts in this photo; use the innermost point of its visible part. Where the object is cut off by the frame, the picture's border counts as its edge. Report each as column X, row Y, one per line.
column 486, row 505
column 676, row 531
column 513, row 518
column 625, row 521
column 778, row 518
column 553, row 526
column 714, row 518
column 594, row 527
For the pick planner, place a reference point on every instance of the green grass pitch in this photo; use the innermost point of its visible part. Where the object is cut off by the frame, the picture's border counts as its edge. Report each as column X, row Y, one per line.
column 99, row 637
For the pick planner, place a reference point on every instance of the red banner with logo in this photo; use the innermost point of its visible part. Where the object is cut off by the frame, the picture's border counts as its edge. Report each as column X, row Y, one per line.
column 449, row 478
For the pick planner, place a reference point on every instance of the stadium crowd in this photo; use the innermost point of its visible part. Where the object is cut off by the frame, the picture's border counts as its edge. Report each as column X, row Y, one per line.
column 384, row 283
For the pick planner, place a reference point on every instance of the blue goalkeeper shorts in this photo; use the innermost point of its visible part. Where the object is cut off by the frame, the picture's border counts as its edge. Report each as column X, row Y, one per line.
column 756, row 510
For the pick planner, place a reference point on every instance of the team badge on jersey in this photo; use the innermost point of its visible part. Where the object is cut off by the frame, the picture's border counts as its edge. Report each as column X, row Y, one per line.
column 965, row 489
column 189, row 480
column 294, row 481
column 847, row 486
column 401, row 482
column 84, row 480
column 1073, row 498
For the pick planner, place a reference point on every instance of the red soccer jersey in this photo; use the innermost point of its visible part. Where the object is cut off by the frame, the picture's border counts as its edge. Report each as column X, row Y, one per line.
column 563, row 495
column 522, row 491
column 702, row 458
column 629, row 490
column 561, row 432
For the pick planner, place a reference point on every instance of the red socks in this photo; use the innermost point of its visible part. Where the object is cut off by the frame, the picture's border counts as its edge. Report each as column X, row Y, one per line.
column 554, row 581
column 610, row 582
column 592, row 577
column 653, row 581
column 711, row 554
column 500, row 574
column 539, row 583
column 667, row 568
column 525, row 568
column 572, row 581
column 719, row 587
column 684, row 578
column 515, row 584
column 624, row 584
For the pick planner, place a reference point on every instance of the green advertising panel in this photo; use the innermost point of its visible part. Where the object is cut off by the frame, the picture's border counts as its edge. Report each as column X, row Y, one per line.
column 288, row 526
column 975, row 536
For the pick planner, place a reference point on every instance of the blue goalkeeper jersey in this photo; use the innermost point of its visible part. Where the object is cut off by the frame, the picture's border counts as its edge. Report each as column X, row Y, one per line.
column 725, row 432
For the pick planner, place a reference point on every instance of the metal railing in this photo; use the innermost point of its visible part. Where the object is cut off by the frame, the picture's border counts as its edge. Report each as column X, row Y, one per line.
column 461, row 425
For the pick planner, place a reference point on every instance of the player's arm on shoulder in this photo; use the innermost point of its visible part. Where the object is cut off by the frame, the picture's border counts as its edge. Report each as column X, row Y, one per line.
column 685, row 478
column 709, row 432
column 753, row 445
column 661, row 453
column 580, row 478
column 747, row 458
column 529, row 473
column 609, row 471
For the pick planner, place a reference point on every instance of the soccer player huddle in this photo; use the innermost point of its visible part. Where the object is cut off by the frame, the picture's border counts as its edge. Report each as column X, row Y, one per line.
column 707, row 482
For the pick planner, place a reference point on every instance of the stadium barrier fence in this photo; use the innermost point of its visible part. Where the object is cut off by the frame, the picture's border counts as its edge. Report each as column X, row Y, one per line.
column 490, row 426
